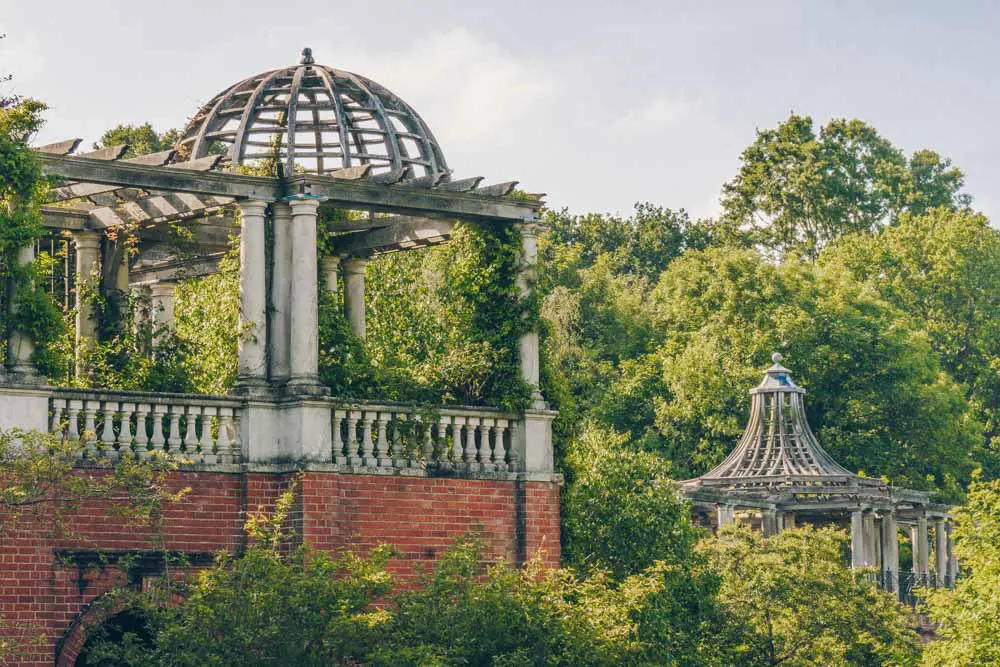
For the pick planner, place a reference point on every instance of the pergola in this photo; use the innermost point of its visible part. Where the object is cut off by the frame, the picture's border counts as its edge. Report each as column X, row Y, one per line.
column 778, row 475
column 334, row 140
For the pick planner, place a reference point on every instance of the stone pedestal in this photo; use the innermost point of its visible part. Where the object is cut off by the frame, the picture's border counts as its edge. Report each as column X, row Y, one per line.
column 533, row 441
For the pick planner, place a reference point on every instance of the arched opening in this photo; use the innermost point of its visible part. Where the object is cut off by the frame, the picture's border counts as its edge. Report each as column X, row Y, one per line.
column 131, row 627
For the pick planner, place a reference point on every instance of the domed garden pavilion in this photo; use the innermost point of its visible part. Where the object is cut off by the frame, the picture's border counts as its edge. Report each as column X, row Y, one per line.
column 778, row 475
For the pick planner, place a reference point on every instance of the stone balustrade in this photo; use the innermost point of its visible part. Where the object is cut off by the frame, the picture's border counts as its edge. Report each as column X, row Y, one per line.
column 200, row 429
column 399, row 436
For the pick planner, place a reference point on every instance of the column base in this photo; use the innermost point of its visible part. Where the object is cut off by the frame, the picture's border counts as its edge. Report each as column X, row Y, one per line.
column 305, row 386
column 252, row 387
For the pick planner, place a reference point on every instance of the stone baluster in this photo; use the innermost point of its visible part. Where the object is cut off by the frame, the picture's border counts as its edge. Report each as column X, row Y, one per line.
column 227, row 436
column 469, row 456
column 512, row 462
column 174, row 439
column 190, row 432
column 159, row 411
column 125, row 432
column 457, row 441
column 206, row 442
column 502, row 449
column 339, row 452
column 384, row 455
column 400, row 456
column 235, row 454
column 367, row 444
column 141, row 430
column 108, row 429
column 89, row 429
column 427, row 450
column 486, row 445
column 353, row 417
column 442, row 453
column 56, row 423
column 73, row 430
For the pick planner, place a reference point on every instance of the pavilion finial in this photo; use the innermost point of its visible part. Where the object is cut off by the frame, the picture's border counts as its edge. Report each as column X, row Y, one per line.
column 777, row 357
column 307, row 56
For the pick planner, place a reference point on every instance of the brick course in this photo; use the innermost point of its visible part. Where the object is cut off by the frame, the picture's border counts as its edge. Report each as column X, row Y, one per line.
column 44, row 594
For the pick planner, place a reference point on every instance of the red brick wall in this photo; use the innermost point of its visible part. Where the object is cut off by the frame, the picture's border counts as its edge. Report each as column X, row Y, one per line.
column 419, row 516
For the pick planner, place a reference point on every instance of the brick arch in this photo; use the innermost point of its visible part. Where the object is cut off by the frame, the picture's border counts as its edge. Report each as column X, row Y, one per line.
column 93, row 614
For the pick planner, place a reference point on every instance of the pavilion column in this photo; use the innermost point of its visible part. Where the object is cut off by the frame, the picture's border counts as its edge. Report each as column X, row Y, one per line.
column 918, row 535
column 527, row 276
column 769, row 522
column 19, row 344
column 940, row 553
column 890, row 552
column 952, row 559
column 252, row 335
column 330, row 268
column 304, row 320
column 871, row 541
column 725, row 515
column 857, row 539
column 280, row 313
column 87, row 245
column 354, row 294
column 161, row 306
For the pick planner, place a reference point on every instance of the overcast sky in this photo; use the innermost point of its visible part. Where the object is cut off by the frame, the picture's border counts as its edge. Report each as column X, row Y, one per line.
column 599, row 104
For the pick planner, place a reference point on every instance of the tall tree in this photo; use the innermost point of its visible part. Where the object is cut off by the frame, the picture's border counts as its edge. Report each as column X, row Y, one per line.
column 797, row 190
column 943, row 270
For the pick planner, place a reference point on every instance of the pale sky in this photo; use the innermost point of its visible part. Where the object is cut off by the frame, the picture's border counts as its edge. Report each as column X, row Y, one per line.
column 598, row 104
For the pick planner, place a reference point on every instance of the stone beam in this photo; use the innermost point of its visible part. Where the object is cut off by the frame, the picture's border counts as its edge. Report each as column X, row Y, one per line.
column 150, row 177
column 396, row 236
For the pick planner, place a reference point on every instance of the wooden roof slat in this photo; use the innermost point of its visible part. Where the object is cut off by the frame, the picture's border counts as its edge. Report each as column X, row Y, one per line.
column 88, row 189
column 106, row 153
column 351, row 173
column 428, row 181
column 391, row 176
column 461, row 185
column 497, row 189
column 402, row 232
column 60, row 147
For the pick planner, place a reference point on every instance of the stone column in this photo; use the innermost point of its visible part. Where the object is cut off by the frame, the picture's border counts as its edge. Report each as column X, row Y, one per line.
column 787, row 521
column 940, row 553
column 354, row 294
column 952, row 559
column 281, row 293
column 161, row 306
column 725, row 515
column 921, row 566
column 871, row 540
column 890, row 552
column 769, row 522
column 304, row 320
column 88, row 245
column 19, row 344
column 857, row 539
column 252, row 364
column 527, row 276
column 330, row 267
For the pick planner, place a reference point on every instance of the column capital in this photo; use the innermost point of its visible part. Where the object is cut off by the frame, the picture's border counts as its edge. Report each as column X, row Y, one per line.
column 161, row 288
column 304, row 206
column 331, row 261
column 87, row 239
column 530, row 227
column 281, row 209
column 253, row 207
column 354, row 265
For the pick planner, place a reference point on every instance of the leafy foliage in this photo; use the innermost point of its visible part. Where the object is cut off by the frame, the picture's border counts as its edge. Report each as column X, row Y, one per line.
column 803, row 605
column 968, row 617
column 798, row 190
column 140, row 139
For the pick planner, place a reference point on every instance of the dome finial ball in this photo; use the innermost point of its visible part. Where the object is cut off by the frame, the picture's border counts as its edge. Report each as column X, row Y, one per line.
column 777, row 357
column 307, row 56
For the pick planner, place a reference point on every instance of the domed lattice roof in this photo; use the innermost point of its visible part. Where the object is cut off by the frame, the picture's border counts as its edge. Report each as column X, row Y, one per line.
column 315, row 119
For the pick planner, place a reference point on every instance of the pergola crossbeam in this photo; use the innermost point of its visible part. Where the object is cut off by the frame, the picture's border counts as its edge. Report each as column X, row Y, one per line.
column 398, row 235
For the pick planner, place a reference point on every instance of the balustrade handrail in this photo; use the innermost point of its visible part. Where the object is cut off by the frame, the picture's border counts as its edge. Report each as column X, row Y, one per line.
column 158, row 397
column 441, row 408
